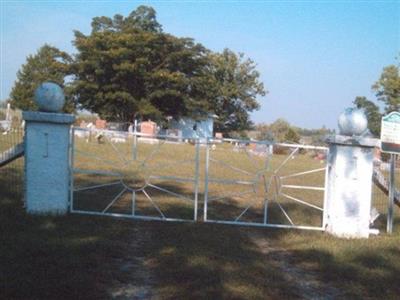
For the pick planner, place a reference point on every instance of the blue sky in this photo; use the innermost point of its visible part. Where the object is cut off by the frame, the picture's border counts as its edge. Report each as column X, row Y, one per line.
column 314, row 57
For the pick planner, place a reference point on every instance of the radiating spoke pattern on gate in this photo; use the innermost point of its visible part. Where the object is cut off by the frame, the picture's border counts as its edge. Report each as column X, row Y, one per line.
column 124, row 175
column 249, row 184
column 241, row 182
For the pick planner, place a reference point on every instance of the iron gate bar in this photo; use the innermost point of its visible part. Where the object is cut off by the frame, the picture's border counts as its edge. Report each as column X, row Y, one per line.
column 283, row 211
column 303, row 173
column 231, row 167
column 154, row 152
column 325, row 212
column 309, row 147
column 224, row 181
column 71, row 168
column 251, row 159
column 99, row 172
column 123, row 160
column 169, row 192
column 154, row 204
column 206, row 179
column 133, row 203
column 286, row 160
column 197, row 179
column 283, row 226
column 230, row 195
column 135, row 217
column 115, row 199
column 162, row 166
column 173, row 178
column 302, row 201
column 267, row 143
column 246, row 209
column 108, row 162
column 79, row 189
column 266, row 189
column 303, row 187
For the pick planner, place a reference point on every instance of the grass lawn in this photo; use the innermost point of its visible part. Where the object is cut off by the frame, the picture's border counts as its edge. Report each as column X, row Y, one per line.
column 91, row 257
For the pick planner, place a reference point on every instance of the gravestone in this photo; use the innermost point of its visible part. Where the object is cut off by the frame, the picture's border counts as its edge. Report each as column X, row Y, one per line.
column 148, row 128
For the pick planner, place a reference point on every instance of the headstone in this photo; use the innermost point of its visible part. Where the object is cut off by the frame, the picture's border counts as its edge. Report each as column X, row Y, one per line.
column 218, row 135
column 101, row 124
column 148, row 128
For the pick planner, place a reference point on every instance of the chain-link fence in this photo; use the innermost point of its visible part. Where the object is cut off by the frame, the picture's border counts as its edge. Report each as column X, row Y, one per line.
column 11, row 163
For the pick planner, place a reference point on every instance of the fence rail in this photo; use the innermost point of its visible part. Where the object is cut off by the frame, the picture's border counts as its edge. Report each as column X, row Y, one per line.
column 11, row 162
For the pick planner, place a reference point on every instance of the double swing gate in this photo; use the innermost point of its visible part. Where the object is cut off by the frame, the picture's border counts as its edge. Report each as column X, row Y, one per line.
column 227, row 181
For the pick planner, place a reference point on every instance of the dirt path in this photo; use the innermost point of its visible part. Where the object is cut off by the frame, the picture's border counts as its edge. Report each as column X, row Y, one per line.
column 135, row 282
column 307, row 284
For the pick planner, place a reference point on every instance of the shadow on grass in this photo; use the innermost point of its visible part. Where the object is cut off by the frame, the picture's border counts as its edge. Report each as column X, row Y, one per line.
column 77, row 256
column 360, row 274
column 68, row 257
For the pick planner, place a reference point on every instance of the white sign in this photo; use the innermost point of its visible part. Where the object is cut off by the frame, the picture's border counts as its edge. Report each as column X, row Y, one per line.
column 390, row 133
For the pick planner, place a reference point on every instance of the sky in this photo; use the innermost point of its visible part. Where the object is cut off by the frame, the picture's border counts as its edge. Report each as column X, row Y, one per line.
column 314, row 57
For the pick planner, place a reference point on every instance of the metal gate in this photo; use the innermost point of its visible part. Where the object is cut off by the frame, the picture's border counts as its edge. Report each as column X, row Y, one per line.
column 134, row 175
column 260, row 184
column 212, row 180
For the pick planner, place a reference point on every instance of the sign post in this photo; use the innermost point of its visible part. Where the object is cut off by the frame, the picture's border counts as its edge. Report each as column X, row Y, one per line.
column 390, row 143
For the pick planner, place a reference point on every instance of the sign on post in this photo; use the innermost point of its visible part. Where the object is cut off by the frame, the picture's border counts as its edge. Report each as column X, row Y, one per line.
column 390, row 133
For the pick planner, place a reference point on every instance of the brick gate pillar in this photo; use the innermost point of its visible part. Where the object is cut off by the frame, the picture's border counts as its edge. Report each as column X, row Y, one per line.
column 47, row 140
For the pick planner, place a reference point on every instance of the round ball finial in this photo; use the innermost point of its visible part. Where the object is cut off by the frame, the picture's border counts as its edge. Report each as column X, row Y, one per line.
column 49, row 97
column 352, row 122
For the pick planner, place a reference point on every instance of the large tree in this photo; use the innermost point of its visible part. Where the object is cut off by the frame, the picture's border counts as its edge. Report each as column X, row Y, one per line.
column 372, row 113
column 234, row 88
column 128, row 68
column 276, row 131
column 48, row 64
column 387, row 88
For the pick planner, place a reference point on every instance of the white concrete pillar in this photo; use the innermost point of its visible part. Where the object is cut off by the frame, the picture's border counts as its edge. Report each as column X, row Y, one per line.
column 349, row 185
column 47, row 139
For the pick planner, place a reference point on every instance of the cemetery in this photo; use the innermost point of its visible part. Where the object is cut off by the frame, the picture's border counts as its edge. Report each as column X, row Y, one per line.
column 154, row 182
column 226, row 183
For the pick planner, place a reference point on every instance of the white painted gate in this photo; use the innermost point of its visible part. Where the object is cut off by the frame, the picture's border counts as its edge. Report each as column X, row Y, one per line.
column 228, row 181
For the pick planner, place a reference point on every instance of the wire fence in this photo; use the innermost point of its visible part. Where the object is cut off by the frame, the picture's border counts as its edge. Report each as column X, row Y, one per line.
column 11, row 163
column 380, row 197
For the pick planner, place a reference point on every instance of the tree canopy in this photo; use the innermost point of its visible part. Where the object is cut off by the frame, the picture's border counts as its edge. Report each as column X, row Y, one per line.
column 372, row 113
column 129, row 73
column 235, row 86
column 128, row 67
column 387, row 88
column 48, row 64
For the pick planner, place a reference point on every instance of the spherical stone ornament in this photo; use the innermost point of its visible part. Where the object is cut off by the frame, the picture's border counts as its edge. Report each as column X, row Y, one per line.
column 352, row 122
column 49, row 97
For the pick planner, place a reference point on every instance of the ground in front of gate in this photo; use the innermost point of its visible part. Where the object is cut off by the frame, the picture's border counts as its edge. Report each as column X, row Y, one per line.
column 101, row 258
